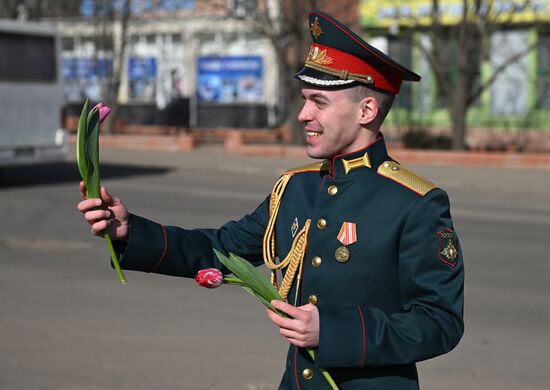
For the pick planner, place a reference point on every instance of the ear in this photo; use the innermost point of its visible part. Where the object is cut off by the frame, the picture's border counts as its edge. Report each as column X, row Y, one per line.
column 369, row 110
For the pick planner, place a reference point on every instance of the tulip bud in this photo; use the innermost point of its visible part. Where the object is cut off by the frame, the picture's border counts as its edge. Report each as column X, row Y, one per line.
column 104, row 111
column 209, row 278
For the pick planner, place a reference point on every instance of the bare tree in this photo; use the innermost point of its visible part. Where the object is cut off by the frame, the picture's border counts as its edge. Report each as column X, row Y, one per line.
column 114, row 17
column 459, row 90
column 288, row 32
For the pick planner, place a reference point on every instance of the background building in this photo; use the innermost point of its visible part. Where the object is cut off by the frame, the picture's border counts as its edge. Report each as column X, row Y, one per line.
column 183, row 63
column 511, row 67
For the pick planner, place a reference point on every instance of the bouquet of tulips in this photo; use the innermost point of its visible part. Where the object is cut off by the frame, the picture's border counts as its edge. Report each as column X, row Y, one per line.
column 252, row 280
column 87, row 157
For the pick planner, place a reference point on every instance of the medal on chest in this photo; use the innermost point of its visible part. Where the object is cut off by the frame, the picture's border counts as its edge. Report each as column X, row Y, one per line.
column 347, row 236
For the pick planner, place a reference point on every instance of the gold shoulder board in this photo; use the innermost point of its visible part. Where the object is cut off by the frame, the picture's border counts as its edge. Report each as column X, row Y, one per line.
column 405, row 177
column 314, row 167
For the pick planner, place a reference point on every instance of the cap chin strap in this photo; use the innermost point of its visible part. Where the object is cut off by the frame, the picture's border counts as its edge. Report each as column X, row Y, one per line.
column 314, row 81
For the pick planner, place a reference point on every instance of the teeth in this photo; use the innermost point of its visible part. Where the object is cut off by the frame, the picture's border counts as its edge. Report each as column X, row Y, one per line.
column 313, row 134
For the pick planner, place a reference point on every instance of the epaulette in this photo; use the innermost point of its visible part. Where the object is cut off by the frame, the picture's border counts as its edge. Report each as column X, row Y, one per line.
column 314, row 167
column 405, row 177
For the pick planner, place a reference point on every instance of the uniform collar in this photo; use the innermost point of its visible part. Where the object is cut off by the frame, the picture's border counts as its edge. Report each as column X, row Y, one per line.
column 352, row 163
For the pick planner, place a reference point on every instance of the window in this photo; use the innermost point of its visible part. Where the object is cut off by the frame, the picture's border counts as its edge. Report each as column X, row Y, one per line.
column 245, row 7
column 26, row 52
column 450, row 66
column 509, row 95
column 543, row 70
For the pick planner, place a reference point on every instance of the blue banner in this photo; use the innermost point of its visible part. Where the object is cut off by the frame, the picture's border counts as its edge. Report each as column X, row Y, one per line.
column 142, row 76
column 89, row 8
column 230, row 79
column 142, row 68
column 87, row 68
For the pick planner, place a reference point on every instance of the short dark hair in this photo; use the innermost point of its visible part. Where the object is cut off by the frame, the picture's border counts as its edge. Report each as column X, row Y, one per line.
column 384, row 98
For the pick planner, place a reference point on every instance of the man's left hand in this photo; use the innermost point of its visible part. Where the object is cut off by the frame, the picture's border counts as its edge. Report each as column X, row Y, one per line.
column 302, row 329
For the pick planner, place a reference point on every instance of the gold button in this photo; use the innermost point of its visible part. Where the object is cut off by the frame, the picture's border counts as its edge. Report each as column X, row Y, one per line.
column 322, row 223
column 342, row 254
column 316, row 261
column 312, row 299
column 307, row 374
column 332, row 190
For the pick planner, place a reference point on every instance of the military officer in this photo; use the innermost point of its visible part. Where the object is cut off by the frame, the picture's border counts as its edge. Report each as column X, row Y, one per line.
column 372, row 273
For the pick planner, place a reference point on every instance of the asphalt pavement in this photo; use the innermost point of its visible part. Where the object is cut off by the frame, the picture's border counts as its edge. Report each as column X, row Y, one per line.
column 67, row 324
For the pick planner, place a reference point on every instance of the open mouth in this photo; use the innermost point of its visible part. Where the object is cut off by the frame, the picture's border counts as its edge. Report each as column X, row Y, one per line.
column 313, row 133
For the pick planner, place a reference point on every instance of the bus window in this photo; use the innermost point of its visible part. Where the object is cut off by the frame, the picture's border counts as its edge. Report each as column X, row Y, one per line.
column 26, row 52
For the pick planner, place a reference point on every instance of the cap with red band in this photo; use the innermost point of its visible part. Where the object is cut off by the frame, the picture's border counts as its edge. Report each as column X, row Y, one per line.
column 339, row 58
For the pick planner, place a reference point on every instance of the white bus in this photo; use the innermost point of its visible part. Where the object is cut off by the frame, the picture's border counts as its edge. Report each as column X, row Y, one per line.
column 31, row 94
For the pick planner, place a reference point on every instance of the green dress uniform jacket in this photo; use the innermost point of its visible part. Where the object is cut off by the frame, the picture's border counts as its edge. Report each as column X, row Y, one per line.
column 383, row 265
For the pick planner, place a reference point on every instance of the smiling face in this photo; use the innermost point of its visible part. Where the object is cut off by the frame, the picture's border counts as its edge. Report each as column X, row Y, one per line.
column 334, row 123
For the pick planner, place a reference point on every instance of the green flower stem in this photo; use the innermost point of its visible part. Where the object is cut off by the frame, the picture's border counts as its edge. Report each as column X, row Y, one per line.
column 324, row 372
column 114, row 257
column 233, row 280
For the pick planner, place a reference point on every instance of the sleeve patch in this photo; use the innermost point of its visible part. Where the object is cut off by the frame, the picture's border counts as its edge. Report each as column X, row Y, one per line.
column 447, row 248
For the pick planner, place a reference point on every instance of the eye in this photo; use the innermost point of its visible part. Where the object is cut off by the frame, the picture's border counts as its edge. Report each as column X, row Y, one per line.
column 320, row 104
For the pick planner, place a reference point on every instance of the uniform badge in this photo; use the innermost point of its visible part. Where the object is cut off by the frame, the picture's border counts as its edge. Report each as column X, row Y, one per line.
column 347, row 234
column 294, row 227
column 342, row 254
column 315, row 28
column 447, row 249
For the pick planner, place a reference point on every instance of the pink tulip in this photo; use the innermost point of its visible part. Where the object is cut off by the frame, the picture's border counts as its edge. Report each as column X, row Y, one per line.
column 209, row 278
column 104, row 111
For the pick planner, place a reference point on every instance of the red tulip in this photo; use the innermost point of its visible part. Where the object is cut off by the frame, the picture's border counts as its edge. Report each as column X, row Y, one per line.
column 209, row 278
column 104, row 111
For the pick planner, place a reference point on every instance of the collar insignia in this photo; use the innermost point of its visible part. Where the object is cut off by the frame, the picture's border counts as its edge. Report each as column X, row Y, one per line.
column 315, row 28
column 359, row 162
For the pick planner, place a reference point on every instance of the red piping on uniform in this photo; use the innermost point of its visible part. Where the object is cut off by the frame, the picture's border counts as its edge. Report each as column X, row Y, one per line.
column 378, row 138
column 364, row 338
column 331, row 160
column 295, row 368
column 163, row 253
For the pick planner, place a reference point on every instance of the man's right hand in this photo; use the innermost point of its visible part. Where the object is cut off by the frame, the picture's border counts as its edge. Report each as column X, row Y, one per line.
column 107, row 213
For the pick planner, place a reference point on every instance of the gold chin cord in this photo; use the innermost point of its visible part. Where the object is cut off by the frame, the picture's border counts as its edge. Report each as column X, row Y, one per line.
column 294, row 259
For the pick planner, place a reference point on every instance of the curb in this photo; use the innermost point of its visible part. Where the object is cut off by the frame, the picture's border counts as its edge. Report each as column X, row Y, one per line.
column 234, row 144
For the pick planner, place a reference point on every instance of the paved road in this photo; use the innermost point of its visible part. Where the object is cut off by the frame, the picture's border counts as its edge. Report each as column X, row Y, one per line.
column 66, row 323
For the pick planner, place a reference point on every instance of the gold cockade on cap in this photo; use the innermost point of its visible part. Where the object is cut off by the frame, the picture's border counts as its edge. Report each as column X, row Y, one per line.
column 318, row 56
column 315, row 28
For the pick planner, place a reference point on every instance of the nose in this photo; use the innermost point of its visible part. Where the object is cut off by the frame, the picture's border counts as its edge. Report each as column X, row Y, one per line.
column 305, row 113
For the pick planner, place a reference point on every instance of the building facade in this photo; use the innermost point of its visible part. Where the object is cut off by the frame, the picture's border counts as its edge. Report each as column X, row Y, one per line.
column 182, row 63
column 515, row 64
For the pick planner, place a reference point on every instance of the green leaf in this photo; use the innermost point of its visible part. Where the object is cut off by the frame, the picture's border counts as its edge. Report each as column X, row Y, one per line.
column 250, row 276
column 92, row 154
column 266, row 303
column 264, row 285
column 81, row 142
